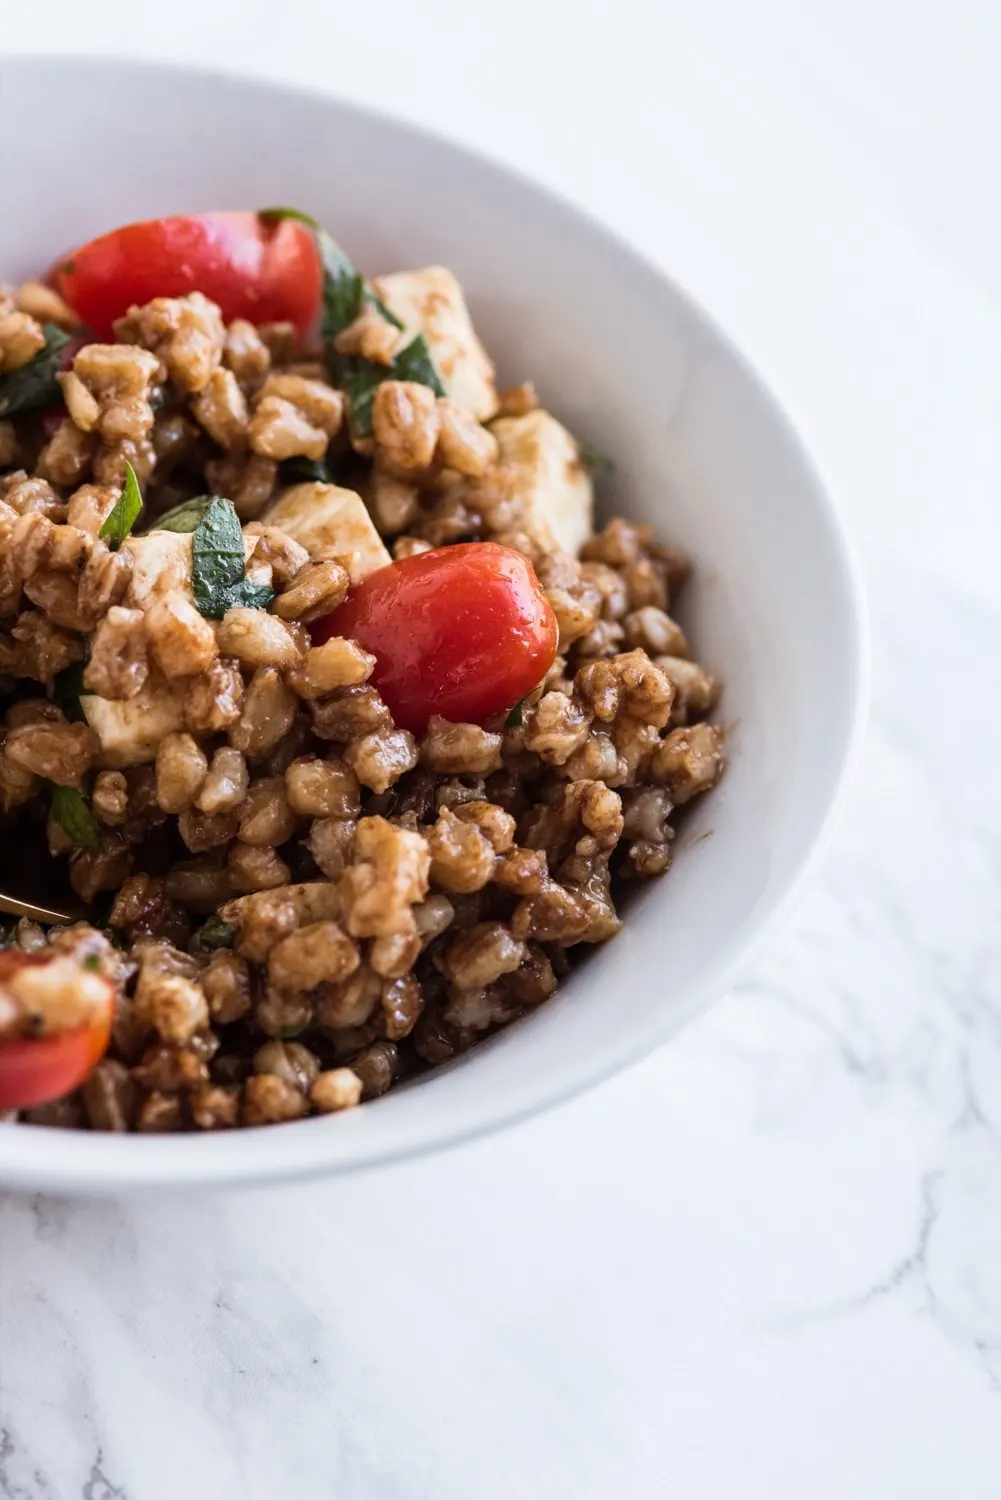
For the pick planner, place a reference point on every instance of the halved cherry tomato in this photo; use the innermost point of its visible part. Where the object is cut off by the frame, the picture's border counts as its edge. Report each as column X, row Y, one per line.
column 34, row 1070
column 463, row 631
column 264, row 270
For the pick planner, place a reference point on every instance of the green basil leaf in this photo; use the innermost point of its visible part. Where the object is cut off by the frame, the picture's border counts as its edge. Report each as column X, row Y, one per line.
column 415, row 363
column 343, row 287
column 217, row 558
column 594, row 461
column 215, row 933
column 126, row 512
column 344, row 296
column 244, row 595
column 296, row 214
column 360, row 379
column 34, row 386
column 218, row 570
column 71, row 811
column 380, row 306
column 185, row 517
column 344, row 290
column 305, row 471
column 514, row 718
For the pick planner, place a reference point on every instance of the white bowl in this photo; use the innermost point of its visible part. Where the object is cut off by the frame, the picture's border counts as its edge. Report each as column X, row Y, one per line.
column 627, row 361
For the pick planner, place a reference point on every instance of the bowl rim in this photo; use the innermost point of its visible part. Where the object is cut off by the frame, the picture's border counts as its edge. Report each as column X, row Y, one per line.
column 85, row 1162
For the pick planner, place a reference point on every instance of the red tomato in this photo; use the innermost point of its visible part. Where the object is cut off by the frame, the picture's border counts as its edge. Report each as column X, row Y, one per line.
column 463, row 631
column 34, row 1070
column 262, row 269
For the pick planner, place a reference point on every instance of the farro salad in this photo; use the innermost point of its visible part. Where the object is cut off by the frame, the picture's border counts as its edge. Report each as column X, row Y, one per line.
column 347, row 726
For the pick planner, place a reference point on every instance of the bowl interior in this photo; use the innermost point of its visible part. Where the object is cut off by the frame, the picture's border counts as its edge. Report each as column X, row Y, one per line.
column 628, row 362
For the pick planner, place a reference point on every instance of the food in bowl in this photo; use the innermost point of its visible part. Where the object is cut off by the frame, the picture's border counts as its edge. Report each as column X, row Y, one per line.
column 350, row 727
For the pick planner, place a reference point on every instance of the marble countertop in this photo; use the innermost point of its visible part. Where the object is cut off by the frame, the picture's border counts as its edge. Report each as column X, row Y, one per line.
column 767, row 1261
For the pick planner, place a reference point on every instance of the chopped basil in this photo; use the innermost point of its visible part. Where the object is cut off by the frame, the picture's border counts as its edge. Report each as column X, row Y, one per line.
column 360, row 379
column 343, row 287
column 385, row 312
column 92, row 963
column 344, row 290
column 594, row 461
column 305, row 471
column 218, row 568
column 126, row 512
column 295, row 214
column 71, row 811
column 215, row 933
column 185, row 517
column 514, row 718
column 344, row 296
column 415, row 363
column 243, row 595
column 34, row 385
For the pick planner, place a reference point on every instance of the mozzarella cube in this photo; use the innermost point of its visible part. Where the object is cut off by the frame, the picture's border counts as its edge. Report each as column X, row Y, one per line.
column 161, row 561
column 431, row 302
column 555, row 484
column 330, row 522
column 130, row 729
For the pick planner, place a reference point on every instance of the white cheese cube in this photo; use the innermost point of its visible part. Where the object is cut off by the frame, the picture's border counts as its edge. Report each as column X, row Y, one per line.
column 330, row 522
column 130, row 729
column 161, row 561
column 555, row 484
column 431, row 302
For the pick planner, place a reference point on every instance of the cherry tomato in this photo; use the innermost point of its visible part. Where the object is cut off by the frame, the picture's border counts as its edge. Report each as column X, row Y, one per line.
column 264, row 270
column 34, row 1070
column 463, row 631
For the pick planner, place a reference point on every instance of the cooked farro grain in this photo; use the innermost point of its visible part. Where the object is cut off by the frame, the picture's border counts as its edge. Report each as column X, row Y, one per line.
column 315, row 890
column 337, row 1088
column 252, row 868
column 406, row 423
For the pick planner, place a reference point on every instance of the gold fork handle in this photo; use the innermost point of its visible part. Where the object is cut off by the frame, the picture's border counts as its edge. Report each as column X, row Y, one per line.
column 47, row 914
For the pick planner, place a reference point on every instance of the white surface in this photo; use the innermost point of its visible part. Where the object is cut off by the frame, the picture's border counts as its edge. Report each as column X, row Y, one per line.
column 773, row 605
column 765, row 1263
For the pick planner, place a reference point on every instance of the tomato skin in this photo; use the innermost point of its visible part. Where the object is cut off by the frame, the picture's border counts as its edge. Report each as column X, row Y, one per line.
column 267, row 271
column 462, row 631
column 34, row 1070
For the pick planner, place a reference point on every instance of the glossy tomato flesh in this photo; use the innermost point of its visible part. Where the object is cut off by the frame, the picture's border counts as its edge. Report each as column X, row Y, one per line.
column 465, row 632
column 265, row 270
column 35, row 1070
